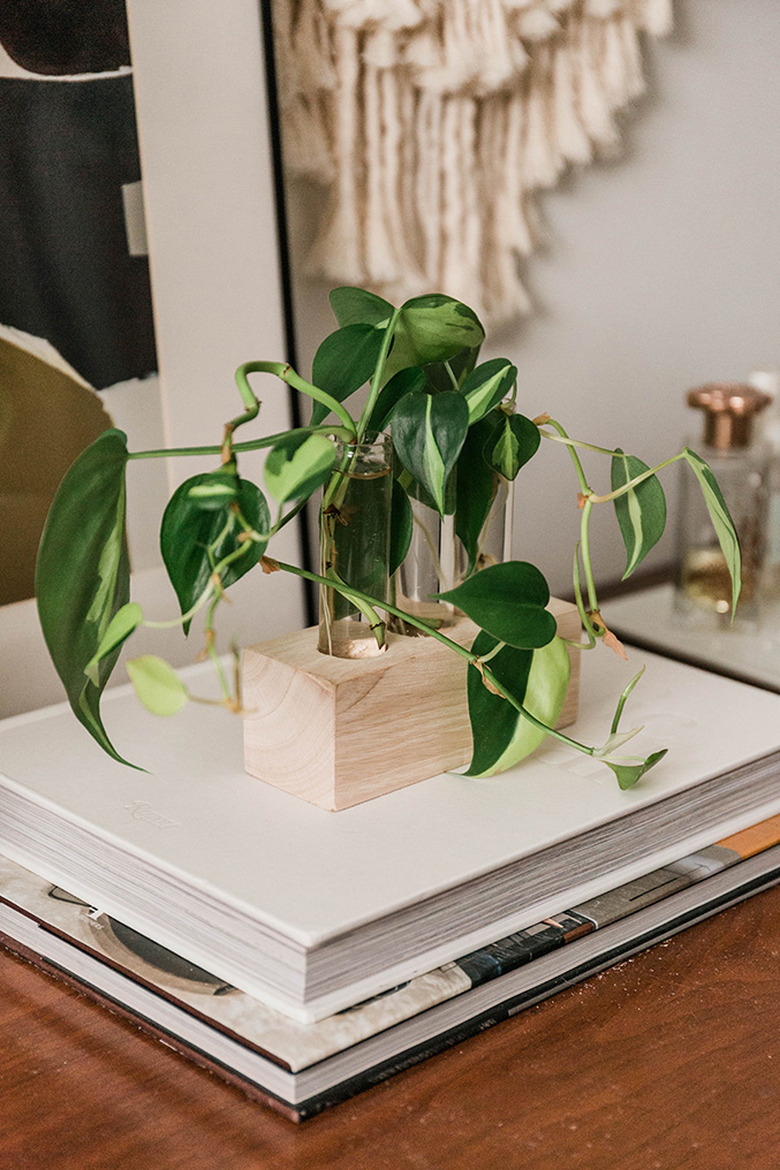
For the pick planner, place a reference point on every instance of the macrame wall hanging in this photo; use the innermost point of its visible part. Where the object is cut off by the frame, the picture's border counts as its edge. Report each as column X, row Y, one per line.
column 433, row 122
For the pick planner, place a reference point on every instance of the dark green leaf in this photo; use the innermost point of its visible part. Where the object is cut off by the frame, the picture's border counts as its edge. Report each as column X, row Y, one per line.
column 641, row 512
column 401, row 527
column 514, row 441
column 193, row 541
column 475, row 487
column 721, row 519
column 355, row 306
column 440, row 378
column 403, row 383
column 428, row 432
column 83, row 576
column 297, row 465
column 507, row 600
column 628, row 773
column 343, row 363
column 537, row 679
column 487, row 385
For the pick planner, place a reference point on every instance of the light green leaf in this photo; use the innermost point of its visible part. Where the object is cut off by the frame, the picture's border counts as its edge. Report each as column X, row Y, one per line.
column 298, row 465
column 428, row 432
column 123, row 623
column 722, row 521
column 513, row 442
column 157, row 685
column 641, row 512
column 508, row 601
column 437, row 327
column 434, row 329
column 487, row 385
column 538, row 679
column 630, row 770
column 83, row 576
column 344, row 362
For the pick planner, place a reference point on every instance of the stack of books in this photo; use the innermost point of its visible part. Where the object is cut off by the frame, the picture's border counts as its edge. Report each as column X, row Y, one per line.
column 307, row 955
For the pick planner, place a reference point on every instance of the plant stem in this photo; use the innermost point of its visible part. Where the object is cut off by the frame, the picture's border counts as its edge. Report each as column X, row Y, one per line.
column 462, row 651
column 287, row 374
column 249, row 445
column 571, row 444
column 376, row 379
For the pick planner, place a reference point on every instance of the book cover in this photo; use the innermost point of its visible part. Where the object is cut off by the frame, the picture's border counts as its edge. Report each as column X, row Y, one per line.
column 336, row 1059
column 313, row 911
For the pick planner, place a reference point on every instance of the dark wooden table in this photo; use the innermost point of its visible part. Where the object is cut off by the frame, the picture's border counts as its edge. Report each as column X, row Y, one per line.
column 670, row 1060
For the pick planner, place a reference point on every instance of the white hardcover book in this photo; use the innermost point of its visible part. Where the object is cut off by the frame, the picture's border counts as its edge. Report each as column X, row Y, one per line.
column 313, row 911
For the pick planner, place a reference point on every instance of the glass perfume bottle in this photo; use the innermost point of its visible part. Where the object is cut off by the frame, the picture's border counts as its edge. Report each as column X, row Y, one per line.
column 768, row 431
column 741, row 467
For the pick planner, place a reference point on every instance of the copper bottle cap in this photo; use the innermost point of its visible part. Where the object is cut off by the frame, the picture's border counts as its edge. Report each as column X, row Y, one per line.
column 729, row 408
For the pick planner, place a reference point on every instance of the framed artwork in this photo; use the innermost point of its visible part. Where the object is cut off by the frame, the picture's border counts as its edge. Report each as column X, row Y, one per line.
column 201, row 104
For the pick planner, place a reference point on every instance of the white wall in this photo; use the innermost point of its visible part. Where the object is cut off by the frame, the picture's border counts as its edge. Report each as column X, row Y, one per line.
column 660, row 270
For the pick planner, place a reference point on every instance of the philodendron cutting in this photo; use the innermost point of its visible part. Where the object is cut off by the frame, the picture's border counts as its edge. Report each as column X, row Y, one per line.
column 456, row 434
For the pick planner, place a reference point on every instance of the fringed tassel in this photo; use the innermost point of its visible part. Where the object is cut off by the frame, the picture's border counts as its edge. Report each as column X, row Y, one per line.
column 434, row 121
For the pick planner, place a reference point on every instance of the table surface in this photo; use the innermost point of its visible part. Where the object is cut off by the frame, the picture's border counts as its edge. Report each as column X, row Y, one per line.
column 670, row 1060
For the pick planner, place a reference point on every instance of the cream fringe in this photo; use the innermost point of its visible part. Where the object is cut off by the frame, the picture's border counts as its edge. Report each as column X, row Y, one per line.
column 433, row 122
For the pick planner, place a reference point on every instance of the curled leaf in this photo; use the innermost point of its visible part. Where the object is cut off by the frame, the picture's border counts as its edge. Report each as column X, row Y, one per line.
column 123, row 623
column 632, row 769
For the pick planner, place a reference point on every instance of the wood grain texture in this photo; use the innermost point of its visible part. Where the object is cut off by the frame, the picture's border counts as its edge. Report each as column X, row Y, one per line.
column 670, row 1060
column 338, row 731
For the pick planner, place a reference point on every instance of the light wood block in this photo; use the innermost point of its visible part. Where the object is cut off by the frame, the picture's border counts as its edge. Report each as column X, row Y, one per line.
column 338, row 731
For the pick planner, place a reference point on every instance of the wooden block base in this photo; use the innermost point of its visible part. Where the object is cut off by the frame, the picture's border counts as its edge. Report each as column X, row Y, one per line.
column 338, row 731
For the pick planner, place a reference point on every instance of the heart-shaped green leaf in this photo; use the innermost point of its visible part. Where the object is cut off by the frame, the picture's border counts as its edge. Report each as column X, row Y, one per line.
column 508, row 601
column 428, row 432
column 538, row 679
column 194, row 540
column 157, row 685
column 514, row 441
column 297, row 465
column 475, row 487
column 344, row 362
column 355, row 306
column 722, row 521
column 641, row 512
column 82, row 575
column 436, row 327
column 487, row 385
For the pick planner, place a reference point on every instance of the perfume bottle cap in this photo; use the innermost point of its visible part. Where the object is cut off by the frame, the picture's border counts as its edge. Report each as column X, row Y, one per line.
column 729, row 409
